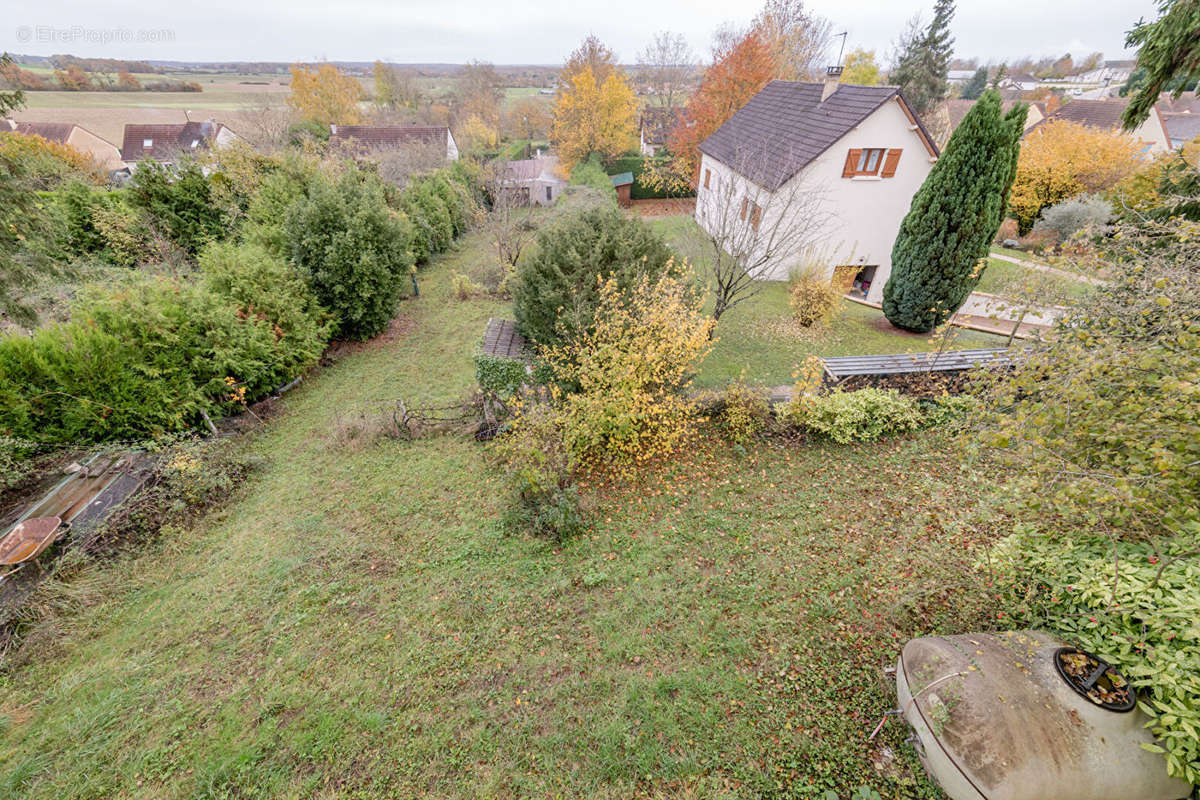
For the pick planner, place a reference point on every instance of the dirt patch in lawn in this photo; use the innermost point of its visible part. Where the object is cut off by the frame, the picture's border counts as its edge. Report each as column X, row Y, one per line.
column 881, row 324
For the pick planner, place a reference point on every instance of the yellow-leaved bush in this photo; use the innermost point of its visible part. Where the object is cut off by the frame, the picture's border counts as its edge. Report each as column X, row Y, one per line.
column 630, row 371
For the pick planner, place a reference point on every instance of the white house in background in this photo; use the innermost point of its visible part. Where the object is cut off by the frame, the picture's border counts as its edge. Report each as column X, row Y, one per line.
column 364, row 140
column 534, row 181
column 957, row 77
column 165, row 143
column 1018, row 81
column 861, row 149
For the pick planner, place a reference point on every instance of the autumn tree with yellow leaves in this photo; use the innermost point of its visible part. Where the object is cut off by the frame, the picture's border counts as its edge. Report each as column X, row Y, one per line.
column 325, row 95
column 596, row 111
column 1061, row 159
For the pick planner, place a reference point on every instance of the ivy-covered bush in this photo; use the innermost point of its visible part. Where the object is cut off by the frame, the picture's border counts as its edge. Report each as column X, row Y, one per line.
column 179, row 200
column 863, row 415
column 542, row 497
column 557, row 288
column 353, row 249
column 502, row 377
column 739, row 411
column 1134, row 604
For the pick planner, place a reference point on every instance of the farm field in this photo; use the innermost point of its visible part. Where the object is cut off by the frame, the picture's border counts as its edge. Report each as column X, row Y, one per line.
column 354, row 622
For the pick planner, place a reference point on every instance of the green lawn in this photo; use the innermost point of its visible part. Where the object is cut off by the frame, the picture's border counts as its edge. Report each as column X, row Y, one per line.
column 355, row 624
column 757, row 340
column 1000, row 273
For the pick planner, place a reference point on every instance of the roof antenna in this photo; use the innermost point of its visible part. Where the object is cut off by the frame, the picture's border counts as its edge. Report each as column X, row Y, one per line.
column 842, row 49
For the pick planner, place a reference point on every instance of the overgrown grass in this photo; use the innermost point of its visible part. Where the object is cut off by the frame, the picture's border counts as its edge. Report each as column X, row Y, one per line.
column 355, row 624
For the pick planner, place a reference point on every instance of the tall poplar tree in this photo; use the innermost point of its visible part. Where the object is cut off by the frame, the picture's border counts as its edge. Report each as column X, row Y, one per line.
column 953, row 218
column 924, row 61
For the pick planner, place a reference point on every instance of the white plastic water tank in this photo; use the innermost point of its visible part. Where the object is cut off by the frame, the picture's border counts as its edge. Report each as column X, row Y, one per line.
column 995, row 721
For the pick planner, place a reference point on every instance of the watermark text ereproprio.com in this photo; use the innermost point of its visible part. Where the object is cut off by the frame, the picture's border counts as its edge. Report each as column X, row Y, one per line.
column 71, row 34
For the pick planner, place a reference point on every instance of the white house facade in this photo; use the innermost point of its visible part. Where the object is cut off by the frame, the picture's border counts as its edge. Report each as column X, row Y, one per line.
column 857, row 156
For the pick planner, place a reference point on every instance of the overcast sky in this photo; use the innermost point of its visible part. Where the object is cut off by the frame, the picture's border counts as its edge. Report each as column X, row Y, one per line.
column 535, row 33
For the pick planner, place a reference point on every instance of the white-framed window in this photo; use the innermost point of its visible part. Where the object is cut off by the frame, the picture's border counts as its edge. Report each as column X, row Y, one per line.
column 147, row 143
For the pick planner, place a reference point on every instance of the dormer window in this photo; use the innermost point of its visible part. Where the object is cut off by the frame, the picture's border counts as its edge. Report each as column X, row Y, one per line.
column 147, row 143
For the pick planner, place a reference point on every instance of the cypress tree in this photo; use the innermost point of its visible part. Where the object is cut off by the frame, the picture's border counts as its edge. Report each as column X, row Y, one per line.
column 953, row 218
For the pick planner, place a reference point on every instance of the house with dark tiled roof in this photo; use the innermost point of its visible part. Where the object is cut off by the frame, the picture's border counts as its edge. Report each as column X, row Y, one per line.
column 654, row 127
column 857, row 153
column 1106, row 115
column 1022, row 81
column 364, row 140
column 103, row 152
column 165, row 143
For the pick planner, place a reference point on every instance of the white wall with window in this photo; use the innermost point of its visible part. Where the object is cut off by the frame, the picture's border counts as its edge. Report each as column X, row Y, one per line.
column 867, row 179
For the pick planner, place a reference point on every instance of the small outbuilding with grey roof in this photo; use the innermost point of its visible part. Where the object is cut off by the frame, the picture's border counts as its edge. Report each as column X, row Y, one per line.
column 859, row 151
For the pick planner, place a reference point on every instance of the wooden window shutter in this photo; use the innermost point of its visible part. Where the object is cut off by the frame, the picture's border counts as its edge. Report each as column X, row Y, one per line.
column 707, row 176
column 755, row 216
column 745, row 202
column 851, row 168
column 889, row 164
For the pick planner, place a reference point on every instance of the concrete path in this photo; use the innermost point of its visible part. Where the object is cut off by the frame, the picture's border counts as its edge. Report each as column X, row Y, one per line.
column 1062, row 273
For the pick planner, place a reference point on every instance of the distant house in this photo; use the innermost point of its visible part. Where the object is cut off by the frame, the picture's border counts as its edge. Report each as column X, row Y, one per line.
column 655, row 126
column 862, row 149
column 1106, row 115
column 362, row 140
column 956, row 111
column 103, row 152
column 1181, row 117
column 1181, row 128
column 1019, row 81
column 1186, row 103
column 165, row 143
column 534, row 181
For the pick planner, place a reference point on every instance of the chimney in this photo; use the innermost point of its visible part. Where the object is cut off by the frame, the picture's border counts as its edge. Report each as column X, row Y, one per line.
column 832, row 76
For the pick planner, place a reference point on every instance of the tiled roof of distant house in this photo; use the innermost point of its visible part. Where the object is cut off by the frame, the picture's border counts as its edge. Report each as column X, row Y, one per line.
column 958, row 109
column 1103, row 114
column 50, row 131
column 786, row 126
column 368, row 138
column 1182, row 127
column 1186, row 103
column 657, row 124
column 165, row 142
